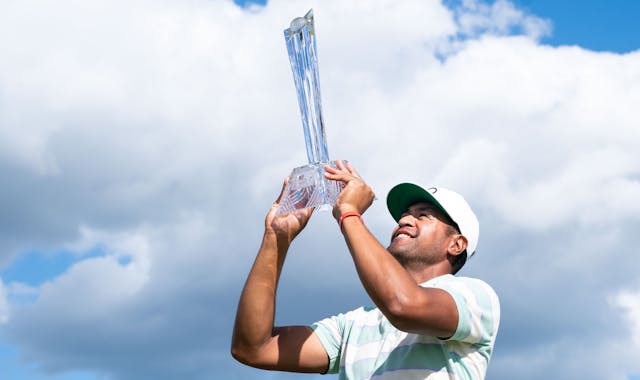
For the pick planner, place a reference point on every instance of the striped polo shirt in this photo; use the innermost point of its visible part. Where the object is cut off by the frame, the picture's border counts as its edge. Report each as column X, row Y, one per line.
column 362, row 344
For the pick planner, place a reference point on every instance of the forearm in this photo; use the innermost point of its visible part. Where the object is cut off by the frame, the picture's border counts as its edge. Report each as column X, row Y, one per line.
column 256, row 308
column 388, row 284
column 408, row 306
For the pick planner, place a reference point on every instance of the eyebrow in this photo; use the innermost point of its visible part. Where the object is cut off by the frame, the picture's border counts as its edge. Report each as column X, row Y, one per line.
column 438, row 214
column 424, row 207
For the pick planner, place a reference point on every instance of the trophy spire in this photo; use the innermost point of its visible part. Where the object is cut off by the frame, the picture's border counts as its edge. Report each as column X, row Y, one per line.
column 301, row 46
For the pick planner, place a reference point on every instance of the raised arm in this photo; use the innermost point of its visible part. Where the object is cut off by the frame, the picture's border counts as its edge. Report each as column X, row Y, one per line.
column 408, row 306
column 256, row 342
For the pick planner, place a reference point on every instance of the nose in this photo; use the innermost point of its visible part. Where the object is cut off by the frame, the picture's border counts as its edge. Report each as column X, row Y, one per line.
column 406, row 220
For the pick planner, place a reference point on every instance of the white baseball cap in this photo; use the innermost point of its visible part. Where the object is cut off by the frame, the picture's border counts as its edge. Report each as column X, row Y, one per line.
column 402, row 196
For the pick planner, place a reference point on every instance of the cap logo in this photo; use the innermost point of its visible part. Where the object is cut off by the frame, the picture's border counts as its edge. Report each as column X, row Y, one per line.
column 432, row 190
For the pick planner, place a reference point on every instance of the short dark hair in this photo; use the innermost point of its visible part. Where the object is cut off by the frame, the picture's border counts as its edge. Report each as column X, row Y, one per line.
column 458, row 261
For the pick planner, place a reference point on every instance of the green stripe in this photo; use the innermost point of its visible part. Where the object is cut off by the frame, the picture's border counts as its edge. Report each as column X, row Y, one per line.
column 483, row 299
column 361, row 335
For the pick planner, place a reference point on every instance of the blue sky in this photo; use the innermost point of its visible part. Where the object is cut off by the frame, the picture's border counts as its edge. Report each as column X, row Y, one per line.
column 593, row 24
column 596, row 25
column 121, row 132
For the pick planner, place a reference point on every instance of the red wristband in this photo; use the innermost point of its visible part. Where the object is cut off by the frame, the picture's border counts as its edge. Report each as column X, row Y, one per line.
column 346, row 215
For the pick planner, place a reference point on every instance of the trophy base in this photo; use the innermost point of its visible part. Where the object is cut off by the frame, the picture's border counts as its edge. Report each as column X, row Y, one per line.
column 308, row 187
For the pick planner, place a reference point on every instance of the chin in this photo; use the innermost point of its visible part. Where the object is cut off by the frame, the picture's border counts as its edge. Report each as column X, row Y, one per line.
column 396, row 252
column 392, row 249
column 398, row 248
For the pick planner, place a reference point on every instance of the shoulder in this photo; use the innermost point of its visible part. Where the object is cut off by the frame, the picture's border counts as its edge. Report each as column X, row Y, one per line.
column 471, row 294
column 478, row 307
column 465, row 286
column 362, row 315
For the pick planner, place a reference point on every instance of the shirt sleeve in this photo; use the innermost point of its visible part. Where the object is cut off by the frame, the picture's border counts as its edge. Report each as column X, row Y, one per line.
column 330, row 332
column 478, row 310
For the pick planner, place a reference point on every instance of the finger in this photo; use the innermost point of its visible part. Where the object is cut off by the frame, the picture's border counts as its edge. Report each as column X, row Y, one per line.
column 306, row 212
column 330, row 169
column 284, row 185
column 352, row 170
column 337, row 176
column 340, row 165
column 303, row 215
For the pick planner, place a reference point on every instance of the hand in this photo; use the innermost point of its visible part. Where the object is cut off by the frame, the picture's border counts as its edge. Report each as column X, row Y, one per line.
column 356, row 196
column 289, row 225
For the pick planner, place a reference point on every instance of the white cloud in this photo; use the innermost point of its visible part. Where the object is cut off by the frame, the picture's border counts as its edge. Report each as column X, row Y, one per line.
column 160, row 131
column 628, row 301
column 500, row 17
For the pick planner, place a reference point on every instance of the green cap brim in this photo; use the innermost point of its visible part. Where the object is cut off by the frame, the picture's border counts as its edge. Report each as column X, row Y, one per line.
column 402, row 196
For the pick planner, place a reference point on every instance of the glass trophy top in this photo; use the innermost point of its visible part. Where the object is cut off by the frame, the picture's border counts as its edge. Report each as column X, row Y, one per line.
column 301, row 46
column 300, row 22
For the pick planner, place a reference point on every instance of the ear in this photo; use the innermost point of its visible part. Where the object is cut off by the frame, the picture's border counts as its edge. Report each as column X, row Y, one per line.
column 457, row 244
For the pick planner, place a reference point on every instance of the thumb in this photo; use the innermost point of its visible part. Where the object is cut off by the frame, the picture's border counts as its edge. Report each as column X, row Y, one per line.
column 284, row 186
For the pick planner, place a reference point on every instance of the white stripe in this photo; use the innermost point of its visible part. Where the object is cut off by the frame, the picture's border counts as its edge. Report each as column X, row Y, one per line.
column 332, row 325
column 376, row 349
column 495, row 307
column 362, row 318
column 415, row 374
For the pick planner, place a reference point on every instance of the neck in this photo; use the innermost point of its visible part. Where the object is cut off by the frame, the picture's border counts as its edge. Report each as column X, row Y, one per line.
column 421, row 273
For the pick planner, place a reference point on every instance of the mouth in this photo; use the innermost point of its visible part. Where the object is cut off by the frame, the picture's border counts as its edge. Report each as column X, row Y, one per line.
column 402, row 233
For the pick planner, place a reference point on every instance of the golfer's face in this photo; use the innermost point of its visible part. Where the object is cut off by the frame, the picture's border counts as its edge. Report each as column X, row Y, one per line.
column 422, row 230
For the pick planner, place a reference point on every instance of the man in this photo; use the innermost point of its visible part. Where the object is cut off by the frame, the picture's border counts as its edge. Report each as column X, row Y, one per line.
column 428, row 324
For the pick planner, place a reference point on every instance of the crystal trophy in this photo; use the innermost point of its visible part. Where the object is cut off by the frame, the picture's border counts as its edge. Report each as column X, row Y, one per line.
column 307, row 186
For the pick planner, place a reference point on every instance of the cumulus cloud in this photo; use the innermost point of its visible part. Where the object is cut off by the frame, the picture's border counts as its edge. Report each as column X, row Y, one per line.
column 157, row 134
column 500, row 18
column 629, row 303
